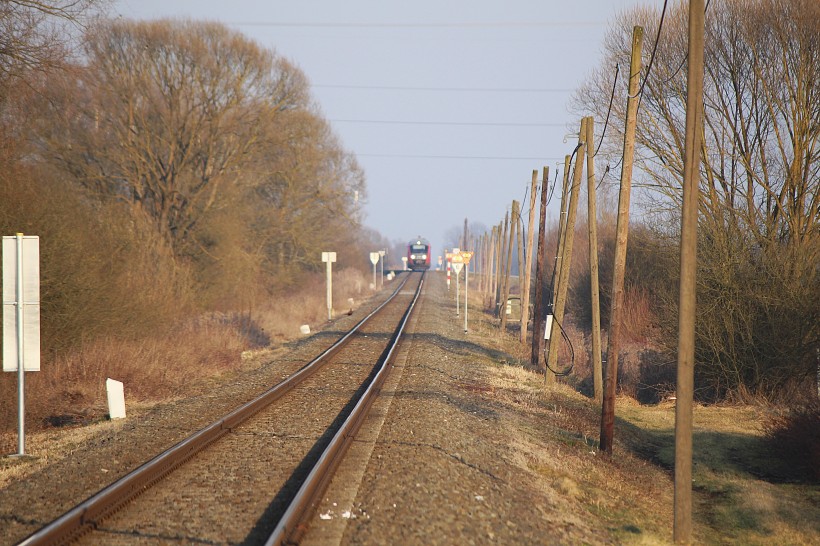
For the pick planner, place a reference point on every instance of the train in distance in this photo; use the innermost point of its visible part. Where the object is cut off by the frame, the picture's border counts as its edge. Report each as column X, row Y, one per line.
column 418, row 254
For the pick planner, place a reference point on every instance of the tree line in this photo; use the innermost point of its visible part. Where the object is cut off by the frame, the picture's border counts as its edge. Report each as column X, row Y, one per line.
column 169, row 166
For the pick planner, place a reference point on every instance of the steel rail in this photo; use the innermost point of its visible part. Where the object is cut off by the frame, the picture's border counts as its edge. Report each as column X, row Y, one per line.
column 293, row 524
column 87, row 515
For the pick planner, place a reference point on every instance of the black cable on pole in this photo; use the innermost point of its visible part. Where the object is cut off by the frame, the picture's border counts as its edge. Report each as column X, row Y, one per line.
column 609, row 110
column 652, row 57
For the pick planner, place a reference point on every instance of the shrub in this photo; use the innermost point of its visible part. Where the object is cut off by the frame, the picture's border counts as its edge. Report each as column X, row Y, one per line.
column 795, row 437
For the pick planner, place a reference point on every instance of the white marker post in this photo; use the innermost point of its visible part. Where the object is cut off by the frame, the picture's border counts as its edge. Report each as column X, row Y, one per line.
column 329, row 258
column 404, row 259
column 381, row 255
column 374, row 259
column 21, row 316
column 458, row 263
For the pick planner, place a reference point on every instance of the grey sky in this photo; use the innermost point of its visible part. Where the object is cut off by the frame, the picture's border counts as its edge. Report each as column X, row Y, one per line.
column 448, row 105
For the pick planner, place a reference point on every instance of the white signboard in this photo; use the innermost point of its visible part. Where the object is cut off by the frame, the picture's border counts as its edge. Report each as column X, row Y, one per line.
column 374, row 258
column 329, row 257
column 29, row 271
column 457, row 266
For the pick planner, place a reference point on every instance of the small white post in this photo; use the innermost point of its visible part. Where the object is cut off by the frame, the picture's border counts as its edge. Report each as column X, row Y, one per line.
column 374, row 259
column 329, row 258
column 116, row 398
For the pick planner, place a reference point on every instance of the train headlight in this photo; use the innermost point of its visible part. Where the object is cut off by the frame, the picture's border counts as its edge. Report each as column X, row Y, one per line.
column 412, row 256
column 423, row 257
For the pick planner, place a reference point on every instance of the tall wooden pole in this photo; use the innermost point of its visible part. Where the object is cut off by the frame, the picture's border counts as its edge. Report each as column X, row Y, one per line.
column 592, row 222
column 688, row 269
column 549, row 376
column 540, row 308
column 566, row 257
column 493, row 272
column 502, row 277
column 562, row 222
column 519, row 243
column 621, row 233
column 508, row 268
column 498, row 259
column 525, row 291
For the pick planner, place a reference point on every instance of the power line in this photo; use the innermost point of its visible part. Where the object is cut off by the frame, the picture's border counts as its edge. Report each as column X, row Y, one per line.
column 449, row 89
column 491, row 158
column 454, row 123
column 489, row 24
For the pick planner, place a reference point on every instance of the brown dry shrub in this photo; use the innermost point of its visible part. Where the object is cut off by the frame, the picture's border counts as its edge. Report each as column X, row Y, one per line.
column 795, row 437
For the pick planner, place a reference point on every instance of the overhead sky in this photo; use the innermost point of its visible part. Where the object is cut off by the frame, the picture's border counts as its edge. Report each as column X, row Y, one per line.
column 448, row 105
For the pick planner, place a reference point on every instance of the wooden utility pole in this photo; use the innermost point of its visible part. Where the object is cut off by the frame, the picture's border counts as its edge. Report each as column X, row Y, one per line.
column 566, row 257
column 508, row 268
column 493, row 270
column 464, row 242
column 503, row 265
column 621, row 234
column 540, row 296
column 688, row 269
column 549, row 376
column 519, row 243
column 592, row 222
column 497, row 281
column 525, row 291
column 562, row 223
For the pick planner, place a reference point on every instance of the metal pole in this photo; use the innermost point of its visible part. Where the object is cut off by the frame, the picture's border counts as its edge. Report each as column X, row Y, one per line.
column 21, row 372
column 688, row 269
column 329, row 290
column 458, row 311
column 466, row 283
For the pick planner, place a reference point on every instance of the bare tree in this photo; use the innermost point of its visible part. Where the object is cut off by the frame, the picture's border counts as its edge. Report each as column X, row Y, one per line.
column 760, row 206
column 35, row 35
column 165, row 115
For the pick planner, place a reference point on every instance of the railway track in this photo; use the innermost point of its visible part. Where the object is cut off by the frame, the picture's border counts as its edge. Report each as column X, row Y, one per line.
column 254, row 475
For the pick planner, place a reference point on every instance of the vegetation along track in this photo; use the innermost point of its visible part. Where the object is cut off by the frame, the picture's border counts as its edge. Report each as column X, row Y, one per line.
column 260, row 480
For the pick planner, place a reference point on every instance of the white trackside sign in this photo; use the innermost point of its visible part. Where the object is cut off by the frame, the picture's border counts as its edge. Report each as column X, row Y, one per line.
column 21, row 303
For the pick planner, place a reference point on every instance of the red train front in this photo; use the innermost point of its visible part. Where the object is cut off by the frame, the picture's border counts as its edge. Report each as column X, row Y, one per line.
column 418, row 254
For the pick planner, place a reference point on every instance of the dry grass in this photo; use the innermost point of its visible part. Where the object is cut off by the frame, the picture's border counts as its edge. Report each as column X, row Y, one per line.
column 70, row 389
column 740, row 489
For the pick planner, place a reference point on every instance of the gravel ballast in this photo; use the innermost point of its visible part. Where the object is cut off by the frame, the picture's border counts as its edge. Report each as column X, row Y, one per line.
column 441, row 461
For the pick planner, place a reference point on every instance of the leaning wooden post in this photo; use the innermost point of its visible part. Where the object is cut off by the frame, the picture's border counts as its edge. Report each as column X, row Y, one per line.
column 540, row 295
column 592, row 221
column 566, row 258
column 549, row 376
column 525, row 292
column 503, row 265
column 519, row 243
column 508, row 267
column 621, row 234
column 562, row 223
column 688, row 270
column 497, row 277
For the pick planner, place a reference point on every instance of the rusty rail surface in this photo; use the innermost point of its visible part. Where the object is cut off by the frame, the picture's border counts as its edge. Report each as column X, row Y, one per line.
column 88, row 514
column 293, row 524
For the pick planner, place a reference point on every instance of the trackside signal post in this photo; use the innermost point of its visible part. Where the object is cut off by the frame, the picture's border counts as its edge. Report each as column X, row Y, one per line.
column 21, row 316
column 329, row 258
column 374, row 259
column 458, row 263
